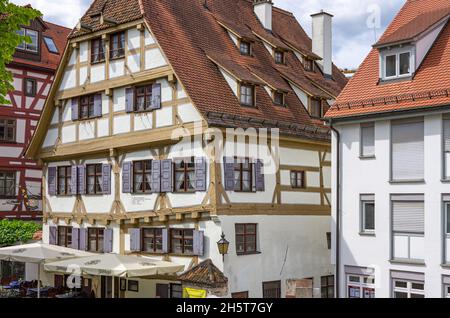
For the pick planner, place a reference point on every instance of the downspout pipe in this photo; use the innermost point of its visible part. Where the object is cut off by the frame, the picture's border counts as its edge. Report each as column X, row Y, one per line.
column 338, row 206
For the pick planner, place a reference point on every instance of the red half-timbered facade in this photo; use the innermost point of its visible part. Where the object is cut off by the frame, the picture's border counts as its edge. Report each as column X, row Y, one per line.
column 33, row 70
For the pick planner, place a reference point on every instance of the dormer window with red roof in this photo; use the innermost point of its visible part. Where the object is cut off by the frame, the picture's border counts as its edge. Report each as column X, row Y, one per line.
column 245, row 47
column 247, row 95
column 33, row 46
column 279, row 56
column 396, row 63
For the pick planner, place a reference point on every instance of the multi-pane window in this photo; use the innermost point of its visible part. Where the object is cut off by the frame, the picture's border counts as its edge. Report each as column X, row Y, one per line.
column 272, row 289
column 97, row 51
column 279, row 57
column 176, row 291
column 327, row 286
column 87, row 109
column 245, row 238
column 367, row 213
column 244, row 48
column 182, row 241
column 367, row 140
column 315, row 107
column 33, row 46
column 408, row 289
column 142, row 174
column 446, row 237
column 94, row 179
column 7, row 184
column 278, row 98
column 243, row 175
column 117, row 43
column 397, row 65
column 152, row 240
column 143, row 98
column 360, row 286
column 65, row 236
column 30, row 87
column 297, row 179
column 7, row 130
column 51, row 46
column 95, row 239
column 184, row 175
column 64, row 180
column 247, row 95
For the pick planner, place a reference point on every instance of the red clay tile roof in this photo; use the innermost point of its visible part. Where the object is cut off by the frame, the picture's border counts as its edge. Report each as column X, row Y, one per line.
column 188, row 32
column 430, row 86
column 205, row 274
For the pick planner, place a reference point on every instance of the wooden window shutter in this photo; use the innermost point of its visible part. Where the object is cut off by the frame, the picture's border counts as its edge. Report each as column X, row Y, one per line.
column 166, row 176
column 53, row 234
column 81, row 176
column 75, row 115
column 228, row 166
column 200, row 174
column 156, row 176
column 198, row 243
column 74, row 180
column 51, row 180
column 98, row 105
column 127, row 177
column 259, row 175
column 156, row 96
column 165, row 240
column 135, row 239
column 108, row 241
column 106, row 178
column 129, row 100
column 82, row 239
column 75, row 238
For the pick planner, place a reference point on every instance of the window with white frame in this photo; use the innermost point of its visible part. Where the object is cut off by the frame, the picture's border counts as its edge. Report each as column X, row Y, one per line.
column 408, row 289
column 407, row 150
column 396, row 64
column 368, row 140
column 360, row 286
column 446, row 145
column 446, row 237
column 33, row 35
column 367, row 213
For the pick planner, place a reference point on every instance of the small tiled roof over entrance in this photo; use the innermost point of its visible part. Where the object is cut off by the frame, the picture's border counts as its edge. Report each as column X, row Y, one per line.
column 204, row 274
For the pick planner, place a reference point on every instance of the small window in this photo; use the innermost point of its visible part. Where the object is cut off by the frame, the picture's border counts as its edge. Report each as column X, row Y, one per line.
column 391, row 65
column 33, row 46
column 297, row 179
column 368, row 140
column 182, row 241
column 142, row 175
column 117, row 42
column 30, row 87
column 97, row 51
column 51, row 46
column 247, row 97
column 87, row 109
column 95, row 238
column 279, row 57
column 327, row 286
column 176, row 291
column 65, row 236
column 143, row 98
column 7, row 184
column 360, row 286
column 245, row 238
column 133, row 286
column 7, row 130
column 408, row 289
column 397, row 65
column 184, row 175
column 367, row 215
column 329, row 240
column 64, row 180
column 315, row 108
column 278, row 98
column 447, row 218
column 245, row 48
column 243, row 181
column 405, row 67
column 240, row 295
column 94, row 179
column 272, row 289
column 152, row 240
column 308, row 64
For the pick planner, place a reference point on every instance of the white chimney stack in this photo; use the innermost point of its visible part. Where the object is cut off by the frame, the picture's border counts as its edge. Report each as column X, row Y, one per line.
column 263, row 10
column 322, row 43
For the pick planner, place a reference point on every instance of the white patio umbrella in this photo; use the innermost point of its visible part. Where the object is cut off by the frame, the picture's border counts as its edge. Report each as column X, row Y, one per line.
column 115, row 265
column 38, row 253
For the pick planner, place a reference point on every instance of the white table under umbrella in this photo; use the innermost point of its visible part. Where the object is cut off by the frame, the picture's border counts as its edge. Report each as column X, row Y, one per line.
column 38, row 253
column 115, row 265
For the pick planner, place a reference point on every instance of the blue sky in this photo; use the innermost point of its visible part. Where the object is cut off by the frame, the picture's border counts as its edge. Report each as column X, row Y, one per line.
column 356, row 25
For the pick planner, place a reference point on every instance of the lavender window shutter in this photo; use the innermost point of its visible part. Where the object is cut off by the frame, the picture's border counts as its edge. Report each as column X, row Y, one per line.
column 51, row 180
column 127, row 176
column 81, row 180
column 228, row 165
column 259, row 175
column 108, row 241
column 198, row 243
column 83, row 240
column 106, row 179
column 156, row 176
column 156, row 96
column 98, row 105
column 75, row 238
column 135, row 239
column 53, row 230
column 165, row 240
column 166, row 175
column 129, row 100
column 73, row 180
column 200, row 174
column 74, row 106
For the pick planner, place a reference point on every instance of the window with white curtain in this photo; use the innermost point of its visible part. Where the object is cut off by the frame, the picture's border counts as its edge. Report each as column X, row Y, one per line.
column 407, row 144
column 367, row 140
column 446, row 146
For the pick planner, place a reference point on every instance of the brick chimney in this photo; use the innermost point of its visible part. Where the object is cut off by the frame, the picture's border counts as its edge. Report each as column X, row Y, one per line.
column 263, row 10
column 322, row 40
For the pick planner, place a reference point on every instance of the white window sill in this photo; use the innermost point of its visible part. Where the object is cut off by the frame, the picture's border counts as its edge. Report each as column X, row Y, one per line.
column 368, row 157
column 421, row 181
column 417, row 262
column 367, row 233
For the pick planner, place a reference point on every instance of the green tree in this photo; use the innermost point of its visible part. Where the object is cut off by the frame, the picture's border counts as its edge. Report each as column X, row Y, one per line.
column 11, row 18
column 14, row 231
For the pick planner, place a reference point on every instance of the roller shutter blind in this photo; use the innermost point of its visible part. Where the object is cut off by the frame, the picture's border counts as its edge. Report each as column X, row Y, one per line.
column 367, row 140
column 408, row 150
column 408, row 217
column 447, row 134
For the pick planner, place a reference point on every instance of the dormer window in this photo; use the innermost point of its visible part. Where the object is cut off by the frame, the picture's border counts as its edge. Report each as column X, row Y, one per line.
column 315, row 108
column 308, row 64
column 247, row 95
column 97, row 51
column 245, row 48
column 32, row 47
column 117, row 49
column 396, row 64
column 279, row 98
column 279, row 56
